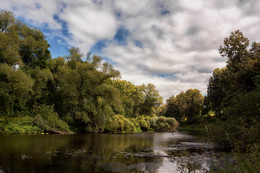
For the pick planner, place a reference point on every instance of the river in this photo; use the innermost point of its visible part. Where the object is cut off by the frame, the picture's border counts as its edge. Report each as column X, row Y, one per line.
column 144, row 152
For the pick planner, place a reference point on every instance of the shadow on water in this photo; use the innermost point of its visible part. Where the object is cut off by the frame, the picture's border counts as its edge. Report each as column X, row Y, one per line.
column 145, row 152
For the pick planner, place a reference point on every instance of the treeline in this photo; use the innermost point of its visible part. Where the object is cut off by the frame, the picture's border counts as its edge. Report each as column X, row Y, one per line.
column 73, row 93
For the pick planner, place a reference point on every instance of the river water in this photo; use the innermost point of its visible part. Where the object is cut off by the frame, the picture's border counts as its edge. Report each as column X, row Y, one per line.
column 145, row 152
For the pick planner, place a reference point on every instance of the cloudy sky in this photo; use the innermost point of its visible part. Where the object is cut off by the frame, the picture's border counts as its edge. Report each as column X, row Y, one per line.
column 170, row 43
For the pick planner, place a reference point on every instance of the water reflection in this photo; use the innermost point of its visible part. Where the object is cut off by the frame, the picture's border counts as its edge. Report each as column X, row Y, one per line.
column 146, row 152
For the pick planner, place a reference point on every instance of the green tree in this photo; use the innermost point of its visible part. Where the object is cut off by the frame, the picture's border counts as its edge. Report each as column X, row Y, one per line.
column 238, row 88
column 15, row 89
column 172, row 109
column 151, row 100
column 186, row 105
column 130, row 95
column 41, row 77
column 216, row 89
column 33, row 48
column 9, row 40
column 85, row 100
column 20, row 43
column 6, row 20
column 226, row 85
column 235, row 48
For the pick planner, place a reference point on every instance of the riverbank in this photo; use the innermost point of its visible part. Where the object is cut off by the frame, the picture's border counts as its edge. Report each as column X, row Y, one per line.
column 116, row 124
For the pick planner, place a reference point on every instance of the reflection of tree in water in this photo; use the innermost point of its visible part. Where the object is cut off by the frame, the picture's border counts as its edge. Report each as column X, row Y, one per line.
column 114, row 153
column 18, row 153
column 78, row 153
column 102, row 152
column 150, row 152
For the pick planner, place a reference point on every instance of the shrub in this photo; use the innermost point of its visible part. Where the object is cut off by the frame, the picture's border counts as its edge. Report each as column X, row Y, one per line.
column 155, row 123
column 152, row 122
column 19, row 125
column 143, row 122
column 49, row 120
column 14, row 128
column 120, row 124
column 165, row 124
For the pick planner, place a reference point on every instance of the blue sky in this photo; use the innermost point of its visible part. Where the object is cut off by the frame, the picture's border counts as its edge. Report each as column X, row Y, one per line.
column 172, row 44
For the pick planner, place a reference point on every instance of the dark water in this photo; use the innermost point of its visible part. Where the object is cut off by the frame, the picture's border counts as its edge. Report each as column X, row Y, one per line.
column 146, row 152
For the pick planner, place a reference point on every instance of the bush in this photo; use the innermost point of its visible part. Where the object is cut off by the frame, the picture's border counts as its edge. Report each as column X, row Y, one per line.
column 49, row 120
column 19, row 125
column 120, row 124
column 14, row 128
column 152, row 122
column 165, row 124
column 143, row 122
column 155, row 123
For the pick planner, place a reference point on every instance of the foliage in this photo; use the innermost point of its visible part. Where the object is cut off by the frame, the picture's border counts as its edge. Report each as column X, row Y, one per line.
column 19, row 125
column 20, row 44
column 235, row 95
column 120, row 124
column 15, row 89
column 165, row 124
column 130, row 95
column 146, row 123
column 49, row 120
column 240, row 130
column 151, row 100
column 186, row 105
column 237, row 78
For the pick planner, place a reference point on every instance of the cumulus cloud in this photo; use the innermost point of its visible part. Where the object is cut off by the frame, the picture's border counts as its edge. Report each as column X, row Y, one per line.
column 172, row 44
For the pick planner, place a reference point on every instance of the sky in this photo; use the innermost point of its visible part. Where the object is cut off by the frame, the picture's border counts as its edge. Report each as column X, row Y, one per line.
column 172, row 44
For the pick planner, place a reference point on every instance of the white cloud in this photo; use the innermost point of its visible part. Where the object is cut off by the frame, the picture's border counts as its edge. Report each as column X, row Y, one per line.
column 89, row 23
column 178, row 40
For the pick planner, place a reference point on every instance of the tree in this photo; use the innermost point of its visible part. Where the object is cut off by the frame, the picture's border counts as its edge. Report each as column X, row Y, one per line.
column 151, row 100
column 235, row 48
column 234, row 91
column 186, row 105
column 15, row 89
column 6, row 19
column 216, row 89
column 226, row 85
column 9, row 40
column 130, row 95
column 33, row 48
column 20, row 43
column 172, row 109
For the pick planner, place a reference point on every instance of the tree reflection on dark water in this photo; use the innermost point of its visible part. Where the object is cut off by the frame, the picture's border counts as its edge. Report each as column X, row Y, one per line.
column 145, row 152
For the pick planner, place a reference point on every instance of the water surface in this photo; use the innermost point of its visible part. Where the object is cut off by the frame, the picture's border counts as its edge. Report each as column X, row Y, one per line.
column 145, row 152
